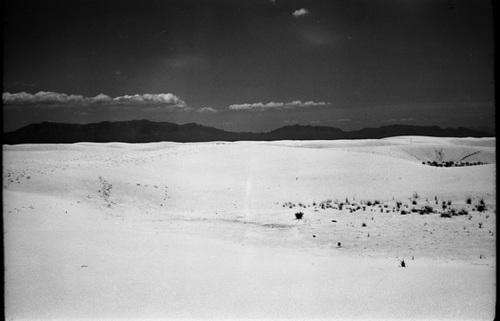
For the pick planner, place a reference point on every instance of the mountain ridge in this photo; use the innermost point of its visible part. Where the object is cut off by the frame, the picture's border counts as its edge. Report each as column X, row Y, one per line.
column 145, row 131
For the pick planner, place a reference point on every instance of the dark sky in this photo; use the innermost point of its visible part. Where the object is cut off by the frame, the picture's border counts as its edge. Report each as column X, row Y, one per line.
column 250, row 65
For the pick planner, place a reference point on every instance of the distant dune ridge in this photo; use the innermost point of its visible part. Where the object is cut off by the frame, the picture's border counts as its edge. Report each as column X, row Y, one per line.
column 145, row 131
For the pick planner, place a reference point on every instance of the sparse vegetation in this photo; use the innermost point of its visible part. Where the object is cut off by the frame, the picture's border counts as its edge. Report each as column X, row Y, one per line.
column 452, row 164
column 480, row 207
column 426, row 209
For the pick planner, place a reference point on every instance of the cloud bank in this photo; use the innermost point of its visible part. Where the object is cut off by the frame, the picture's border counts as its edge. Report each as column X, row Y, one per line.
column 48, row 99
column 300, row 12
column 277, row 105
column 209, row 110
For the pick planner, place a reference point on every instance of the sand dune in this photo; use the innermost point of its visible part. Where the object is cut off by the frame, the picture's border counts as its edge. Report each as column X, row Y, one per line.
column 207, row 230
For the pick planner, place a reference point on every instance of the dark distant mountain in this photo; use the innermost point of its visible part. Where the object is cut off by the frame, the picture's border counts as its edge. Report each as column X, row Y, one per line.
column 485, row 129
column 144, row 131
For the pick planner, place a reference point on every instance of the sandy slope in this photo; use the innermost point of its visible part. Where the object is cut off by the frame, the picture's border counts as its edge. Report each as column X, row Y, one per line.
column 194, row 231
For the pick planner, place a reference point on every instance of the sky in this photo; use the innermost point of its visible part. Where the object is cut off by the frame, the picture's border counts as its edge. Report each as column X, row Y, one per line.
column 249, row 65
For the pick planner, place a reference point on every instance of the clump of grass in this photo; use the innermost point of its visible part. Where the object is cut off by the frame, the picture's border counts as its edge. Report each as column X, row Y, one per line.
column 480, row 207
column 363, row 225
column 414, row 202
column 299, row 215
column 415, row 195
column 426, row 209
column 402, row 263
column 468, row 200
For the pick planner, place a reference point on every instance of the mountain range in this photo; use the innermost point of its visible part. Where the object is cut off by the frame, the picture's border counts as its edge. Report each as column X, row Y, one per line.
column 145, row 131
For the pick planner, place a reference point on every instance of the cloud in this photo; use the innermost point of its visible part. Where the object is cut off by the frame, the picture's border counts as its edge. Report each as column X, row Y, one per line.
column 300, row 12
column 48, row 99
column 41, row 98
column 207, row 110
column 277, row 105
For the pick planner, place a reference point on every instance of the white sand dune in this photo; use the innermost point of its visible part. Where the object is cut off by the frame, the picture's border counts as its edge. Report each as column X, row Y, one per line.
column 207, row 230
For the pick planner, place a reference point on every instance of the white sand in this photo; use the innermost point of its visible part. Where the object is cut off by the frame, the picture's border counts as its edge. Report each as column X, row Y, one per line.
column 199, row 231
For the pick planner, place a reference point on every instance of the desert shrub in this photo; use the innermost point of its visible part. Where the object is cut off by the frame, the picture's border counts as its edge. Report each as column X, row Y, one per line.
column 299, row 215
column 403, row 212
column 363, row 225
column 402, row 263
column 468, row 200
column 480, row 207
column 445, row 214
column 426, row 209
column 481, row 202
column 414, row 202
column 376, row 202
column 480, row 225
column 463, row 212
column 415, row 195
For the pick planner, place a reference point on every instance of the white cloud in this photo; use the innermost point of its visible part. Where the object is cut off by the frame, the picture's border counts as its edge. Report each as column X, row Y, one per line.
column 48, row 99
column 207, row 110
column 300, row 12
column 42, row 97
column 277, row 105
